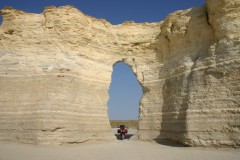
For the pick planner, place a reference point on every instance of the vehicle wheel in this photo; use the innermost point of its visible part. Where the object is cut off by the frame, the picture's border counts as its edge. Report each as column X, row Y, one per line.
column 123, row 136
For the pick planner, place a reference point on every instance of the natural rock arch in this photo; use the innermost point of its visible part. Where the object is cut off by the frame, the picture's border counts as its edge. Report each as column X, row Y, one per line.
column 56, row 70
column 129, row 96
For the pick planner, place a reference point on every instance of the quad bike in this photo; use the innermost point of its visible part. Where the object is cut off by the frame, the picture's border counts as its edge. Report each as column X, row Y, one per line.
column 122, row 131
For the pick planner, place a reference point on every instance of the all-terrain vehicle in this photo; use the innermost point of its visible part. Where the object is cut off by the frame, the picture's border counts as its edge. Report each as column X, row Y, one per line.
column 122, row 131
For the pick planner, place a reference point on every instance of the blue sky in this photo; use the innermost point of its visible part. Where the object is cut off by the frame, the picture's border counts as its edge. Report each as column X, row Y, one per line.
column 115, row 11
column 125, row 91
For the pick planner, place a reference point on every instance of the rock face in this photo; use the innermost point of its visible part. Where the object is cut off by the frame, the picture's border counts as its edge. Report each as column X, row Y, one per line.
column 56, row 71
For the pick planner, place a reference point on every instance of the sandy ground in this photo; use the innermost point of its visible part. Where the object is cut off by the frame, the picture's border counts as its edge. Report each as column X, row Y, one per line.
column 118, row 150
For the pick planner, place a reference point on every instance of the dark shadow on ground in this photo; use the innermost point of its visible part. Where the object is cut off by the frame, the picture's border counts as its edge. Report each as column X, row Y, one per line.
column 170, row 143
column 128, row 136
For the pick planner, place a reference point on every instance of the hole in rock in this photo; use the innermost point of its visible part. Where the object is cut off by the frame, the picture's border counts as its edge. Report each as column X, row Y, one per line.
column 1, row 19
column 124, row 95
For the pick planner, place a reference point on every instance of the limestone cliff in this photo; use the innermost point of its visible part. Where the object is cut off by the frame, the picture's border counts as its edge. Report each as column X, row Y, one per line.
column 56, row 70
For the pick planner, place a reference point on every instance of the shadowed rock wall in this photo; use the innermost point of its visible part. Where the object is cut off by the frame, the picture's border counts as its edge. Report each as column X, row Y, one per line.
column 56, row 70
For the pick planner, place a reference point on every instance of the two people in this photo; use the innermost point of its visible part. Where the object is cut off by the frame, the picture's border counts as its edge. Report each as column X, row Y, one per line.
column 122, row 131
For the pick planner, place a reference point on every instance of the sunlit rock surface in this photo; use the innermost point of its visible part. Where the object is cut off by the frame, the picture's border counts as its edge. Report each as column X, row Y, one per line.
column 55, row 73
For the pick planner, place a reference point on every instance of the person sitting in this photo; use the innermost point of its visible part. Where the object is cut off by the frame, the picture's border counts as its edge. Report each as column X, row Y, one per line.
column 123, row 131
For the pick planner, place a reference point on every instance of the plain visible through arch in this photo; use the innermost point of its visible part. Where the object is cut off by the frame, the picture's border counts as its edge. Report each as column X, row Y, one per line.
column 125, row 93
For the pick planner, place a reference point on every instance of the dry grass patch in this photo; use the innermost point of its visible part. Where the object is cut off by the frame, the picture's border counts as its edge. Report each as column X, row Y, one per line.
column 127, row 123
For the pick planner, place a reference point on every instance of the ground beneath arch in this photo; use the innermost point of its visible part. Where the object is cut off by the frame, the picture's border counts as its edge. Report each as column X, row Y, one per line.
column 132, row 150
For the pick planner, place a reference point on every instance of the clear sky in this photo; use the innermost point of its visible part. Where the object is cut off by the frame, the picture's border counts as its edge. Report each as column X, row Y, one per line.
column 115, row 11
column 125, row 91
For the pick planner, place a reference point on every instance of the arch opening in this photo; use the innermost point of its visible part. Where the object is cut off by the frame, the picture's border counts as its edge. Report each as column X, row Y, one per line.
column 125, row 94
column 1, row 19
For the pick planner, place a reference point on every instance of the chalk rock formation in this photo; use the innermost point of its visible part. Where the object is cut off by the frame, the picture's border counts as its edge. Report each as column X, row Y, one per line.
column 56, row 71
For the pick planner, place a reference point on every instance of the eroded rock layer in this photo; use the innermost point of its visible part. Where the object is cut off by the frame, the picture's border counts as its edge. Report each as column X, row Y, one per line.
column 56, row 71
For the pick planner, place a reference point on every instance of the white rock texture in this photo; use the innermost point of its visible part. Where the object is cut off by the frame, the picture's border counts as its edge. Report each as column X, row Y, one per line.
column 55, row 73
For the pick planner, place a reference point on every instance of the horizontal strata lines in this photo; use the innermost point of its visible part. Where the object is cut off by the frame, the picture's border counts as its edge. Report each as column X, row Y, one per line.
column 46, row 103
column 39, row 104
column 61, row 88
column 200, row 111
column 152, row 114
column 63, row 130
column 221, row 110
column 52, row 117
column 227, row 130
column 47, row 126
column 31, row 108
column 54, row 107
column 154, row 101
column 89, row 128
column 224, row 63
column 174, row 124
column 161, row 82
column 62, row 75
column 150, row 123
column 216, row 98
column 66, row 132
column 44, row 87
column 197, row 117
column 51, row 112
column 59, row 138
column 76, row 136
column 52, row 127
column 154, row 82
column 38, row 117
column 206, row 134
column 55, row 123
